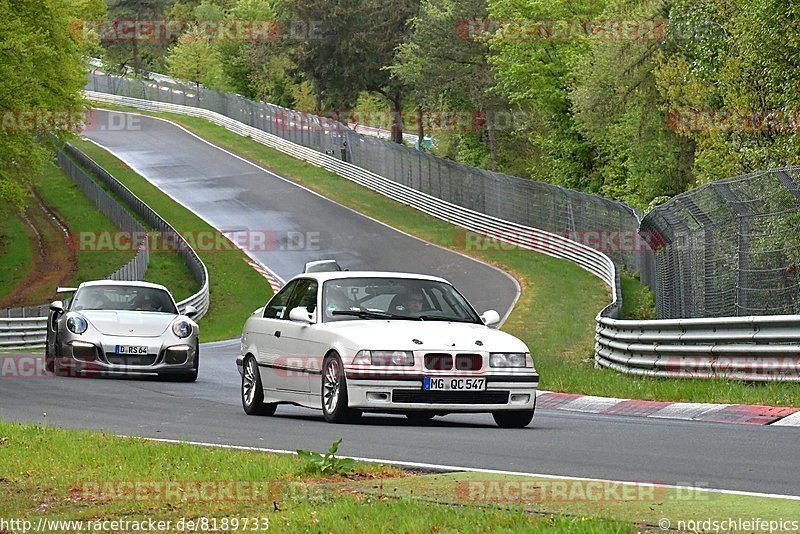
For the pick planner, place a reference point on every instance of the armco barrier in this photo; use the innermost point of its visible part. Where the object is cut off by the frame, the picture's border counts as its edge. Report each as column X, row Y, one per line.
column 25, row 328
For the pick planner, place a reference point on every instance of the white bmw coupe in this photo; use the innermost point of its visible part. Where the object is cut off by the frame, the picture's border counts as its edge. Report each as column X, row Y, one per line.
column 350, row 342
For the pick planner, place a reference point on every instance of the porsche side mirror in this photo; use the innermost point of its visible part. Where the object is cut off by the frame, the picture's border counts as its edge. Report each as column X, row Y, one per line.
column 490, row 318
column 301, row 315
column 190, row 311
column 57, row 306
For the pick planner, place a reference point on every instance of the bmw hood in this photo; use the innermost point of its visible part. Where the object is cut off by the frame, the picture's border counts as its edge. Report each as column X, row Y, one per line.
column 128, row 323
column 378, row 334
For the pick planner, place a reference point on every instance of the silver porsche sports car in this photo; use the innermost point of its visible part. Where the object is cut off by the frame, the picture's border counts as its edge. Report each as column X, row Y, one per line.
column 111, row 327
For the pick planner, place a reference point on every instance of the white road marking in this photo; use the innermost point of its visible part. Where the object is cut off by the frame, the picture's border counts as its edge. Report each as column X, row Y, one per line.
column 439, row 467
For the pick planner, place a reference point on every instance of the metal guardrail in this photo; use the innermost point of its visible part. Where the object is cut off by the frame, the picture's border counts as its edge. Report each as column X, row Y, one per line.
column 137, row 266
column 747, row 348
column 199, row 300
column 25, row 328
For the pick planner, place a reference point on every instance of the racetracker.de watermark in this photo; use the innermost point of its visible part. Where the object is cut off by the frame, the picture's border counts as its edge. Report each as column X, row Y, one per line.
column 611, row 30
column 199, row 240
column 169, row 30
column 521, row 491
column 464, row 120
column 604, row 240
column 74, row 121
column 176, row 490
column 753, row 122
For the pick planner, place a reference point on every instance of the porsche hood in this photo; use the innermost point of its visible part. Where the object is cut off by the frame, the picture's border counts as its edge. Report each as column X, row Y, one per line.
column 129, row 323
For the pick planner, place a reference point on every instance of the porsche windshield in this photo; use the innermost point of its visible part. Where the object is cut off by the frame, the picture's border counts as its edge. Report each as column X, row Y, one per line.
column 130, row 298
column 394, row 298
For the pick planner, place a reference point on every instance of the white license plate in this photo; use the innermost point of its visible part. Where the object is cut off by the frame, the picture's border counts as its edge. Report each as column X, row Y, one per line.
column 130, row 349
column 436, row 383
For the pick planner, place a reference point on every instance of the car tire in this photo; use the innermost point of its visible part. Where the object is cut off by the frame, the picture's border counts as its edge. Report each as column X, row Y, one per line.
column 252, row 390
column 49, row 359
column 333, row 392
column 420, row 417
column 513, row 419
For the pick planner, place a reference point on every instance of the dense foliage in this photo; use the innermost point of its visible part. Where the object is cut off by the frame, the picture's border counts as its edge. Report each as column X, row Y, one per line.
column 41, row 74
column 632, row 99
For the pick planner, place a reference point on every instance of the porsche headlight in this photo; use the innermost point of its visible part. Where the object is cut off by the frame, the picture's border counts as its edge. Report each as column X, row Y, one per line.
column 181, row 329
column 384, row 357
column 510, row 359
column 77, row 324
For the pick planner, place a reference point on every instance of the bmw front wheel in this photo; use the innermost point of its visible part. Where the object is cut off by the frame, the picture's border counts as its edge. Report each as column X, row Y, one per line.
column 334, row 392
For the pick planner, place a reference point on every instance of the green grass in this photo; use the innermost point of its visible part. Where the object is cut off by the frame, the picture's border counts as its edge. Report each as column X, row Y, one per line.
column 15, row 249
column 639, row 302
column 81, row 216
column 166, row 267
column 75, row 475
column 640, row 504
column 556, row 312
column 236, row 288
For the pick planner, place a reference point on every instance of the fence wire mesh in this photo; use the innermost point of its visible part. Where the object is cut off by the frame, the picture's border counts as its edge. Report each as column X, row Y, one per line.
column 729, row 248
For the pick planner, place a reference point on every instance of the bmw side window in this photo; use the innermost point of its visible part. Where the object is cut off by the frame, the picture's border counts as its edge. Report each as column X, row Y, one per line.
column 276, row 308
column 305, row 296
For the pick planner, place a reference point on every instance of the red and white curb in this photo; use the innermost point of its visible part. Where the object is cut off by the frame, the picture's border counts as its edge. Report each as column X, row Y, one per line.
column 274, row 280
column 743, row 414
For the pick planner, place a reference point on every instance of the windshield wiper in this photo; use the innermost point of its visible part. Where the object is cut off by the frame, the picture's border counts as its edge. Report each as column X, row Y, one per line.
column 369, row 314
column 441, row 318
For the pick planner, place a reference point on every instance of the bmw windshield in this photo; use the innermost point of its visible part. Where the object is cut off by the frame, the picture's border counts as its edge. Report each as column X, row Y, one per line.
column 394, row 298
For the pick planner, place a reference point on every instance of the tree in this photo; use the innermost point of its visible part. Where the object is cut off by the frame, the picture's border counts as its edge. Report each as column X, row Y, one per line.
column 355, row 44
column 444, row 62
column 618, row 108
column 194, row 58
column 125, row 48
column 261, row 67
column 534, row 55
column 41, row 73
column 734, row 81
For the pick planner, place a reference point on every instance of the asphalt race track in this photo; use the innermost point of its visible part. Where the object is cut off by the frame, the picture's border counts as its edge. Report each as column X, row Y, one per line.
column 229, row 193
column 740, row 457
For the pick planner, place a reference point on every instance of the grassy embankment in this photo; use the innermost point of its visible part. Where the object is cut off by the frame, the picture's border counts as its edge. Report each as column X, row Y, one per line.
column 75, row 475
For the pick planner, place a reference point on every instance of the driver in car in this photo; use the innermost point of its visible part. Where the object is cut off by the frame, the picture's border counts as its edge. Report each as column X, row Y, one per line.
column 336, row 300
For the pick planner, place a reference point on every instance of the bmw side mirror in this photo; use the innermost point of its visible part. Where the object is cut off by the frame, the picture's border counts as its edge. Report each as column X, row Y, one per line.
column 57, row 306
column 301, row 315
column 190, row 311
column 490, row 318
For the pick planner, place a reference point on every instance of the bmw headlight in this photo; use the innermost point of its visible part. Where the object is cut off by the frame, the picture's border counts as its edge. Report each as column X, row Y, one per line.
column 181, row 329
column 384, row 357
column 510, row 359
column 77, row 324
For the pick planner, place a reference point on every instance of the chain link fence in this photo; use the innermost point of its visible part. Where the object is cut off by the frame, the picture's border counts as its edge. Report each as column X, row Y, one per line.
column 603, row 224
column 729, row 248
